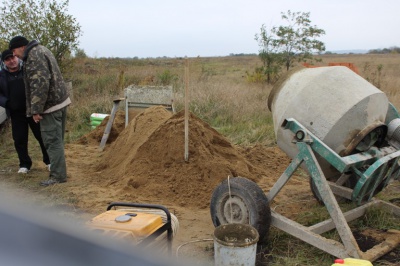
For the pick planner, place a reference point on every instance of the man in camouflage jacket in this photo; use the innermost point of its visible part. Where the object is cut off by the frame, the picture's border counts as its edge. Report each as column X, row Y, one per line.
column 46, row 101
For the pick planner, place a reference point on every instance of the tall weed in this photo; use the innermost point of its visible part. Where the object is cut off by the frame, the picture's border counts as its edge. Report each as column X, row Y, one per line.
column 219, row 88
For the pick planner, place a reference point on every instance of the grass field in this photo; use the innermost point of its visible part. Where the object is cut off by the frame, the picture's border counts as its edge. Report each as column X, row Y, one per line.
column 221, row 94
column 219, row 89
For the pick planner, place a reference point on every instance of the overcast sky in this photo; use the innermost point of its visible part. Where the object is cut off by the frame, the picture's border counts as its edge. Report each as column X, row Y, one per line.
column 178, row 28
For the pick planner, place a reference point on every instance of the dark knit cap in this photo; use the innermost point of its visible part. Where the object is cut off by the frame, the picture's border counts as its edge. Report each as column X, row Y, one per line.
column 17, row 41
column 5, row 54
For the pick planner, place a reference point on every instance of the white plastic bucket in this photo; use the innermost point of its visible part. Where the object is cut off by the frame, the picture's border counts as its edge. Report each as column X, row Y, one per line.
column 235, row 244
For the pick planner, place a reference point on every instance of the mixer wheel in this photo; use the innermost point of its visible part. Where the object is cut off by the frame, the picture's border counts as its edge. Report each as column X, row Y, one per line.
column 241, row 201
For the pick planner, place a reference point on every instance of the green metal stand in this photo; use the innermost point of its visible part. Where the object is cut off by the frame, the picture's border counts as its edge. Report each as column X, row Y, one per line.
column 374, row 169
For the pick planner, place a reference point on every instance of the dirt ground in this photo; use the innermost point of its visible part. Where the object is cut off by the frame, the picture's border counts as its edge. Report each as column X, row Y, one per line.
column 145, row 163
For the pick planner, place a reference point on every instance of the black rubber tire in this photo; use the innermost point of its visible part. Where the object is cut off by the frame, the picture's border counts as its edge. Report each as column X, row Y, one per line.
column 315, row 192
column 350, row 183
column 249, row 202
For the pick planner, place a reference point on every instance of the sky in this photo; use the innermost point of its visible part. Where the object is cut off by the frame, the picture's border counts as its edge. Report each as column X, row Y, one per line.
column 179, row 28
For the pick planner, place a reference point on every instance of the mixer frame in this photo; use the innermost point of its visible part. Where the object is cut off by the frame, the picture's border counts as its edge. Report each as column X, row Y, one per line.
column 374, row 170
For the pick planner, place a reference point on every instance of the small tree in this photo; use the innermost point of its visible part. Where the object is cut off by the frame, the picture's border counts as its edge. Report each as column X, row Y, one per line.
column 298, row 40
column 269, row 53
column 46, row 21
column 80, row 53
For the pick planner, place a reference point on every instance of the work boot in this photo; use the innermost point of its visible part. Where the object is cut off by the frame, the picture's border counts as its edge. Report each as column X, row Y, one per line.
column 51, row 181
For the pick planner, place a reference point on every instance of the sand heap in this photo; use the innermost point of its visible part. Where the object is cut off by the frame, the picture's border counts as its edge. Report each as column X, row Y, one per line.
column 95, row 136
column 147, row 162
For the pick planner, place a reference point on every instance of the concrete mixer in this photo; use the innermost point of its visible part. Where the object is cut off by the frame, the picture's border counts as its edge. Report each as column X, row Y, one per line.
column 344, row 111
column 345, row 134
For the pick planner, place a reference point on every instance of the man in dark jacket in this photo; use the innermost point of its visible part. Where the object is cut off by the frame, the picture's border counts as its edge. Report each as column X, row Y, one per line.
column 12, row 98
column 46, row 101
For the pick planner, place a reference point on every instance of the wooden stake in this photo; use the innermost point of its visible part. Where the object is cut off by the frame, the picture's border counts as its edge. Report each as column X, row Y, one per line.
column 186, row 109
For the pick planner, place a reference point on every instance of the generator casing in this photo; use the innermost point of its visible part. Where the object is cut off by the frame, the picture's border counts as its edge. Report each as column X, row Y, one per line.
column 140, row 225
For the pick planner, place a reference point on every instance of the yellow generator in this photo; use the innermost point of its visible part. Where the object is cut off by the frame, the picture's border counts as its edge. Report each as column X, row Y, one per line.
column 144, row 225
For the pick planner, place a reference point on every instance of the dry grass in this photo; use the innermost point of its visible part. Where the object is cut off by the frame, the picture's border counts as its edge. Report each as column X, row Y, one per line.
column 219, row 90
column 220, row 94
column 386, row 79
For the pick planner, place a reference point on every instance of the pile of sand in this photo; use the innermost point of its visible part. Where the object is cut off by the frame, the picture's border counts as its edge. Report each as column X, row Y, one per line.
column 146, row 160
column 95, row 136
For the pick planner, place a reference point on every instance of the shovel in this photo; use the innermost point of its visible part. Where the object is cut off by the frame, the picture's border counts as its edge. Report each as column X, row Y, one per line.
column 109, row 123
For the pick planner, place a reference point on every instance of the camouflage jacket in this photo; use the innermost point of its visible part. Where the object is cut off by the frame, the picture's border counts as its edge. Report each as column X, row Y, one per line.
column 44, row 84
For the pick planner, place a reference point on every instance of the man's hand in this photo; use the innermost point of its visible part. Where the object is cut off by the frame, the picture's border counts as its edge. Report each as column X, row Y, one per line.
column 37, row 118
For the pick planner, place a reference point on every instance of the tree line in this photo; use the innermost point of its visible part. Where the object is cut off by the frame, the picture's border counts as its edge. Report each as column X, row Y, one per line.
column 391, row 50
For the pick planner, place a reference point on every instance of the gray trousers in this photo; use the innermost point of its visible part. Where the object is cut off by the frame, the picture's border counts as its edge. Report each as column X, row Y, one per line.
column 52, row 128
